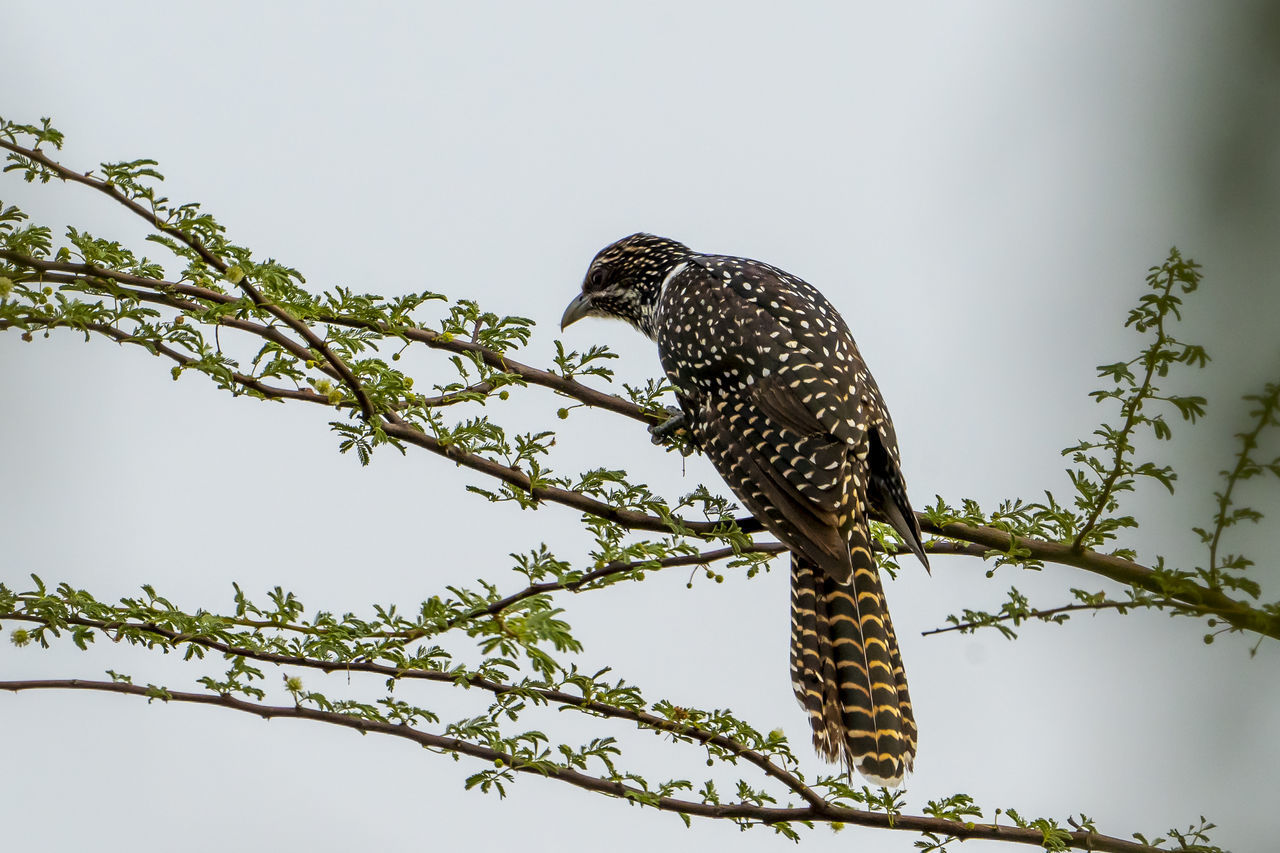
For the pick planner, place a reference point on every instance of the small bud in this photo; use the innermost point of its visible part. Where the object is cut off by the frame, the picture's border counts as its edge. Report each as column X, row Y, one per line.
column 836, row 826
column 776, row 734
column 177, row 371
column 47, row 291
column 235, row 275
column 504, row 395
column 311, row 362
column 395, row 356
column 26, row 336
column 293, row 684
column 179, row 320
column 335, row 397
column 6, row 286
column 408, row 382
column 20, row 637
column 445, row 337
column 710, row 763
column 562, row 414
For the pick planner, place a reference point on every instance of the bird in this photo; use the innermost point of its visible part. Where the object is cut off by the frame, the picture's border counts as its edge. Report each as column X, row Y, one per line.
column 772, row 389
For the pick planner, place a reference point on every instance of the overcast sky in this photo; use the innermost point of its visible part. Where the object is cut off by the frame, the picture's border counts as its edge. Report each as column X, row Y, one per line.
column 979, row 188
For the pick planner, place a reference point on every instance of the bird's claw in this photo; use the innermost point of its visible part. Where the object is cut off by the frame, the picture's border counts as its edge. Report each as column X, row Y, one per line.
column 676, row 426
column 675, row 422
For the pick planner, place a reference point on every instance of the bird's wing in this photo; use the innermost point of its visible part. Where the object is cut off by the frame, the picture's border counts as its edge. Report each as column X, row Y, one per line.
column 792, row 482
column 822, row 382
column 887, row 492
column 804, row 343
column 782, row 424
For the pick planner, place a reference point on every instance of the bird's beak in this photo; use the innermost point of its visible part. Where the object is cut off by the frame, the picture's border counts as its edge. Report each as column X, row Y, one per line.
column 578, row 308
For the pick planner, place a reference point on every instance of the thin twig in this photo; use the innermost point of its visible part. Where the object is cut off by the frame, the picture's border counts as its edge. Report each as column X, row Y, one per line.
column 1134, row 404
column 1248, row 442
column 614, row 568
column 1049, row 613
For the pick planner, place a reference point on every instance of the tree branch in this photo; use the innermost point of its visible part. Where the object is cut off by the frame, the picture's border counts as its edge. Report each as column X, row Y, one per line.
column 1248, row 441
column 700, row 559
column 615, row 568
column 1133, row 405
column 1117, row 569
column 272, row 392
column 818, row 810
column 1048, row 614
column 302, row 329
column 584, row 394
column 558, row 697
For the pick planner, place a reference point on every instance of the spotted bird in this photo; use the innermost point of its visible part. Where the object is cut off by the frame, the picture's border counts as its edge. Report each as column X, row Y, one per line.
column 773, row 390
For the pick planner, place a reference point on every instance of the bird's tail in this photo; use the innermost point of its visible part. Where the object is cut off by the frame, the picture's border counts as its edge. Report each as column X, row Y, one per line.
column 847, row 671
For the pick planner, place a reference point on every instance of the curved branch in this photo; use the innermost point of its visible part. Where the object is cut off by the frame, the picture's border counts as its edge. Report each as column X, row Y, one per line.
column 165, row 297
column 399, row 429
column 615, row 568
column 584, row 394
column 269, row 333
column 114, row 193
column 558, row 697
column 343, row 370
column 699, row 559
column 815, row 811
column 301, row 328
column 1117, row 569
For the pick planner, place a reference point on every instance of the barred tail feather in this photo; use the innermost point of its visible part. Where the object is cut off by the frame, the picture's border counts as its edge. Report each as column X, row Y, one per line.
column 847, row 671
column 813, row 668
column 909, row 731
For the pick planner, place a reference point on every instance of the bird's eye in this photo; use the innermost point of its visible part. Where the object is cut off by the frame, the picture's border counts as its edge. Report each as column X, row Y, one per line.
column 595, row 279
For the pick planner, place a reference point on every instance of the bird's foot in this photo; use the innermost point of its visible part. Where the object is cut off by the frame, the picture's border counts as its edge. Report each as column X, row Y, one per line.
column 674, row 430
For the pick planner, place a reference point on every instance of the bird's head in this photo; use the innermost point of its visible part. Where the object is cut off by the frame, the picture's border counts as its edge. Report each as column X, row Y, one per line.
column 625, row 280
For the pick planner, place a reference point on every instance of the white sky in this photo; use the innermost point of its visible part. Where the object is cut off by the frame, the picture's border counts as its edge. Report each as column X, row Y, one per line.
column 980, row 188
